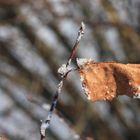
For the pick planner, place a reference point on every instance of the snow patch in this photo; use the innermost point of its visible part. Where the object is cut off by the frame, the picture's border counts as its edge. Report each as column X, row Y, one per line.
column 64, row 69
column 83, row 61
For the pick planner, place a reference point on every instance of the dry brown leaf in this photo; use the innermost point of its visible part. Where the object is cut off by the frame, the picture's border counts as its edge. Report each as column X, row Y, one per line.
column 107, row 80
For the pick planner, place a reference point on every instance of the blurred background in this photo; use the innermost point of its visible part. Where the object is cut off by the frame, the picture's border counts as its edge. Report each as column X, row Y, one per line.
column 36, row 37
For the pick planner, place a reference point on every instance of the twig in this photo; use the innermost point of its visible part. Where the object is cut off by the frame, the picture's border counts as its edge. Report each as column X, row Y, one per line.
column 63, row 70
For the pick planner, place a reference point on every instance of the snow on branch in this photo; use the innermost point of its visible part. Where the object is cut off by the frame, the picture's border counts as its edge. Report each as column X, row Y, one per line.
column 63, row 71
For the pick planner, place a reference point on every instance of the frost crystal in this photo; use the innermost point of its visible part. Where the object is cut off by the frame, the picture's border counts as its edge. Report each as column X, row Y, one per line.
column 83, row 25
column 82, row 61
column 43, row 128
column 64, row 69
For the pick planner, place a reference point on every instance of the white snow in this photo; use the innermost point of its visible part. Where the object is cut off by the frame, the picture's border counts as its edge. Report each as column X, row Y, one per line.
column 83, row 61
column 64, row 69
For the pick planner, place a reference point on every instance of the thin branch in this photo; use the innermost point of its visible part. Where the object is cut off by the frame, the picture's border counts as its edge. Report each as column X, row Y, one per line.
column 80, row 35
column 63, row 70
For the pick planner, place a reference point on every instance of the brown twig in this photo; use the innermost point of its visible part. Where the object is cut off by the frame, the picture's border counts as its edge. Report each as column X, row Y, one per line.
column 63, row 70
